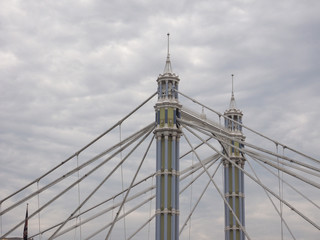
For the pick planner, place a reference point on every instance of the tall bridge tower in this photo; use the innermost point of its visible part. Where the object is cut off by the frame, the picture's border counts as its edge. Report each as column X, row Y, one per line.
column 233, row 176
column 167, row 134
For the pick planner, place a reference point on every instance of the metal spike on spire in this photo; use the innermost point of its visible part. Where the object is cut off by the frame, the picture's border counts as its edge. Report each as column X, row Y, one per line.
column 232, row 101
column 232, row 84
column 168, row 34
column 168, row 68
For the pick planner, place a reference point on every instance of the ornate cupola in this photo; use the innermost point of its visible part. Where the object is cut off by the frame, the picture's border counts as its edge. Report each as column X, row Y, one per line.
column 168, row 82
column 235, row 114
column 168, row 107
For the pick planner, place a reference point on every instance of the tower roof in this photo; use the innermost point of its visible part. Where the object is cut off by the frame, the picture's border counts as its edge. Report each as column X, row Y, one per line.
column 167, row 67
column 232, row 104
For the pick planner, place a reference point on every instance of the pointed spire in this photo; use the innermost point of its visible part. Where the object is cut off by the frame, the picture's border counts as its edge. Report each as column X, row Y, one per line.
column 168, row 68
column 232, row 101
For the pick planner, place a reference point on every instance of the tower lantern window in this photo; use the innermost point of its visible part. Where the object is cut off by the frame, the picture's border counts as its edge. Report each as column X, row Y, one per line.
column 170, row 89
column 163, row 89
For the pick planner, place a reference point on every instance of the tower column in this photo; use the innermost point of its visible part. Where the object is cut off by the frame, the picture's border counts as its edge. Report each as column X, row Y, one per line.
column 233, row 176
column 173, row 187
column 167, row 134
column 158, row 187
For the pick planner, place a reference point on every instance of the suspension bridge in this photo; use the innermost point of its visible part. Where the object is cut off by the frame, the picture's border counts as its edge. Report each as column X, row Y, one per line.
column 191, row 172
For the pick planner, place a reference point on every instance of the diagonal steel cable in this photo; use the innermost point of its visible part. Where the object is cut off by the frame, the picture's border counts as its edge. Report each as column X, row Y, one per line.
column 103, row 181
column 129, row 140
column 273, row 204
column 79, row 151
column 127, row 192
column 250, row 129
column 199, row 199
column 265, row 187
column 217, row 188
column 71, row 186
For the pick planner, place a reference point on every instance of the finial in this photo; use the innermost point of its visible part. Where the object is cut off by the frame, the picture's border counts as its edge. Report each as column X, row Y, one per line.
column 168, row 34
column 168, row 68
column 232, row 101
column 232, row 84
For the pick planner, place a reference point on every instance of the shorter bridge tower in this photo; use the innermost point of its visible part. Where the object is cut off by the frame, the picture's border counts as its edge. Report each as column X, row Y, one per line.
column 233, row 176
column 167, row 134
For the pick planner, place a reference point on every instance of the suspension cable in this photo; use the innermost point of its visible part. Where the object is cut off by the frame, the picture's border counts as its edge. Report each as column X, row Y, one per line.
column 191, row 169
column 128, row 199
column 255, row 158
column 152, row 197
column 131, row 198
column 150, row 207
column 136, row 136
column 245, row 151
column 217, row 188
column 280, row 194
column 263, row 186
column 81, row 150
column 190, row 202
column 120, row 217
column 128, row 140
column 111, row 208
column 127, row 192
column 79, row 199
column 72, row 185
column 112, row 213
column 251, row 130
column 286, row 182
column 215, row 134
column 102, row 182
column 205, row 162
column 272, row 202
column 197, row 166
column 283, row 163
column 265, row 161
column 38, row 208
column 196, row 147
column 199, row 199
column 142, row 226
column 122, row 186
column 289, row 172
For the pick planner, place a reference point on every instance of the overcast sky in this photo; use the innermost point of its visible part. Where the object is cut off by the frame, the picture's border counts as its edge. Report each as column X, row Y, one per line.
column 70, row 69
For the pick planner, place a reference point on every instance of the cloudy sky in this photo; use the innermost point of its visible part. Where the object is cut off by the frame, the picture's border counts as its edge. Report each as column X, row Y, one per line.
column 70, row 69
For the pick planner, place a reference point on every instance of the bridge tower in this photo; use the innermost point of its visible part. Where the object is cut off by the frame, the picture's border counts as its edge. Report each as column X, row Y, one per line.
column 233, row 176
column 167, row 134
